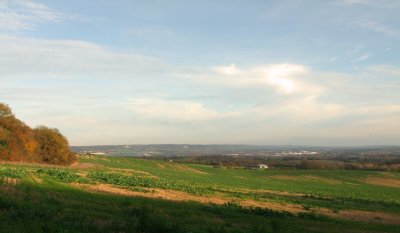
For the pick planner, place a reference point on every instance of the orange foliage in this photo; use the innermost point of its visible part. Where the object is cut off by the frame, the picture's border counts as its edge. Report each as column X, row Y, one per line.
column 18, row 142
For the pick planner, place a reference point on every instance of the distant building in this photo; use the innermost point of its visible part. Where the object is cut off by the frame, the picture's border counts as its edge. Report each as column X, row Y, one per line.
column 296, row 153
column 262, row 166
column 98, row 153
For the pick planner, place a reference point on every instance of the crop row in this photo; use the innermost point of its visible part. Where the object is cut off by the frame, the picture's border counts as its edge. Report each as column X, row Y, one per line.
column 62, row 175
column 12, row 173
column 137, row 181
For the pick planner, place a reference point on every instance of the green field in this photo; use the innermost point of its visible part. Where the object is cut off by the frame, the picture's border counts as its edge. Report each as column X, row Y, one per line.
column 117, row 194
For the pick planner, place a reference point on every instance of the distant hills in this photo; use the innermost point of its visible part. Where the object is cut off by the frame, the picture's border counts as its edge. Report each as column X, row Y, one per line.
column 156, row 150
column 18, row 142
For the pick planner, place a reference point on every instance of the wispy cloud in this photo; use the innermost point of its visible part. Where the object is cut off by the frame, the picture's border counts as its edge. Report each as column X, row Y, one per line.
column 386, row 70
column 68, row 59
column 25, row 15
column 85, row 88
column 362, row 58
column 227, row 70
column 373, row 3
column 170, row 110
column 28, row 15
column 377, row 27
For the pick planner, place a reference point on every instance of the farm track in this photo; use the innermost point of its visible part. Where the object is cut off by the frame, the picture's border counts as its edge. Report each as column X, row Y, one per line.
column 35, row 178
column 354, row 215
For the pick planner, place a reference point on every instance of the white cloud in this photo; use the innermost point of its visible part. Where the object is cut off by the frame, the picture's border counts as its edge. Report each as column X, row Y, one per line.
column 284, row 78
column 272, row 103
column 280, row 75
column 227, row 70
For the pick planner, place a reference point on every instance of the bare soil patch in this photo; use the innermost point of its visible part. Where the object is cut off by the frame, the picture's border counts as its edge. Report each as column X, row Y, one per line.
column 282, row 193
column 131, row 171
column 35, row 178
column 355, row 215
column 189, row 169
column 78, row 165
column 160, row 165
column 10, row 181
column 307, row 178
column 382, row 181
column 182, row 196
column 363, row 216
column 152, row 193
column 31, row 164
column 8, row 185
column 295, row 209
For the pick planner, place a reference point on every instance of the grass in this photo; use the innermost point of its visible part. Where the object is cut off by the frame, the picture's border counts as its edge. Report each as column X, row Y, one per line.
column 54, row 205
column 325, row 188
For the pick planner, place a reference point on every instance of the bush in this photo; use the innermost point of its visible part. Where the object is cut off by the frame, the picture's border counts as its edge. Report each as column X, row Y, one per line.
column 53, row 147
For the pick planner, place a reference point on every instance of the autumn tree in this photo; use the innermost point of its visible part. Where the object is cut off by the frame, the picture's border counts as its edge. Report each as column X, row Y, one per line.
column 18, row 142
column 5, row 111
column 53, row 146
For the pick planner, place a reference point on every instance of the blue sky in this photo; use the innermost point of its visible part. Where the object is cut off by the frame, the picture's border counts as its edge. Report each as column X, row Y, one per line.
column 256, row 72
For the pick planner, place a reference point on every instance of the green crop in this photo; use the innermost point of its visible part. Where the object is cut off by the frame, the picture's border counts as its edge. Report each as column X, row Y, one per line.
column 63, row 175
column 12, row 172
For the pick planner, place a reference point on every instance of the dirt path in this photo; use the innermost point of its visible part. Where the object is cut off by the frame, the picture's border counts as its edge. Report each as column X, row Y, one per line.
column 35, row 178
column 355, row 215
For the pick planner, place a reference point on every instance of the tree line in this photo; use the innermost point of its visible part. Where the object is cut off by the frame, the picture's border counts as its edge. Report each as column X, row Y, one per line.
column 19, row 142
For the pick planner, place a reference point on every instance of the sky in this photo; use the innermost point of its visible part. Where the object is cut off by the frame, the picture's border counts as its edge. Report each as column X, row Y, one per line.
column 298, row 72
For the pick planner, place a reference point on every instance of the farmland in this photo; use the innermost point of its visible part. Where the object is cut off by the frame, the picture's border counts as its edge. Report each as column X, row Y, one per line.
column 120, row 194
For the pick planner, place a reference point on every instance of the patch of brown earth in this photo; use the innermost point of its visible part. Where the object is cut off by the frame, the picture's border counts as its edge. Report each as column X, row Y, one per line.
column 307, row 178
column 295, row 209
column 78, row 165
column 189, row 169
column 182, row 196
column 363, row 216
column 10, row 181
column 356, row 215
column 152, row 193
column 131, row 171
column 160, row 165
column 382, row 181
column 260, row 191
column 283, row 193
column 29, row 164
column 7, row 185
column 35, row 178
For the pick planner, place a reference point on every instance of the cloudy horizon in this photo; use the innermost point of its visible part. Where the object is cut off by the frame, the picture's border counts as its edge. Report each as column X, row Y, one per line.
column 184, row 72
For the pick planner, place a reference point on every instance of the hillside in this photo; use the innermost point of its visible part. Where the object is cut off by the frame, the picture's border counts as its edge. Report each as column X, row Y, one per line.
column 119, row 194
column 19, row 142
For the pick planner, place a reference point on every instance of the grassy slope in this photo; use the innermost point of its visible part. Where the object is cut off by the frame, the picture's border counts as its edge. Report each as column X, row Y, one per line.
column 54, row 206
column 336, row 189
